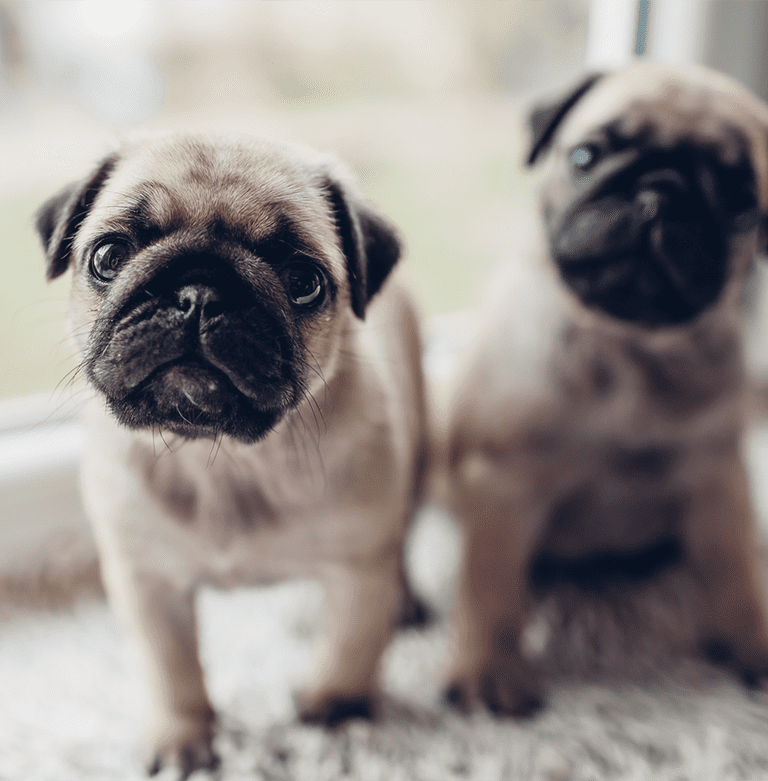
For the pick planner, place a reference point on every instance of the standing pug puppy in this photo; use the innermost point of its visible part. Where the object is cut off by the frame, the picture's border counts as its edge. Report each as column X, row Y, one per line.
column 623, row 450
column 247, row 425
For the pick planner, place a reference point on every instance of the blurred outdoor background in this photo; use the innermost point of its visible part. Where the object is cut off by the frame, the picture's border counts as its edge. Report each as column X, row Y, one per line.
column 425, row 100
column 422, row 98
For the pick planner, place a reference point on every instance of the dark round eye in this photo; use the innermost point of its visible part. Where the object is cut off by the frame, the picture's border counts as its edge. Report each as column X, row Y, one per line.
column 584, row 157
column 305, row 284
column 107, row 259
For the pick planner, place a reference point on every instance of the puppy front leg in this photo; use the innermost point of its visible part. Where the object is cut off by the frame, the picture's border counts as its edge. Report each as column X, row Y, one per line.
column 362, row 601
column 414, row 612
column 164, row 622
column 723, row 549
column 491, row 604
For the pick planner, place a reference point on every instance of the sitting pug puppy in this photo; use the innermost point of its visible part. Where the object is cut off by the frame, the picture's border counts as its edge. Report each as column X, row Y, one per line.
column 596, row 433
column 247, row 426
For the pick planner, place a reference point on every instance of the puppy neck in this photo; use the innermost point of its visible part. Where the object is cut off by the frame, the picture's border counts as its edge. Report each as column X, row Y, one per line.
column 638, row 373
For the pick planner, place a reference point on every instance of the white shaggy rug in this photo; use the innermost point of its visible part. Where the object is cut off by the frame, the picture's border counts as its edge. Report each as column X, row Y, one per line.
column 72, row 697
column 625, row 699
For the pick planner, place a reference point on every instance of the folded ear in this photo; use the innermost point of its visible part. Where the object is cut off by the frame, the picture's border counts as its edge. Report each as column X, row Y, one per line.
column 58, row 219
column 370, row 243
column 545, row 119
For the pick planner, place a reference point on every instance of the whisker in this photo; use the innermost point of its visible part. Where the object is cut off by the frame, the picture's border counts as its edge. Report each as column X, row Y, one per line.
column 68, row 379
column 315, row 444
column 218, row 438
column 312, row 400
column 167, row 446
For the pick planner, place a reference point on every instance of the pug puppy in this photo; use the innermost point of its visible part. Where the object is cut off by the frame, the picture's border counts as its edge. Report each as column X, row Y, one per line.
column 258, row 409
column 595, row 435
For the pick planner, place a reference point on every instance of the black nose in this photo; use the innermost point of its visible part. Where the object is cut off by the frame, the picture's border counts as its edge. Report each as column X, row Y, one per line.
column 664, row 179
column 199, row 301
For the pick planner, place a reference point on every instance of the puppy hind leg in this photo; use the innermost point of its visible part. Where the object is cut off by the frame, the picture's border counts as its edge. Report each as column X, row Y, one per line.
column 362, row 601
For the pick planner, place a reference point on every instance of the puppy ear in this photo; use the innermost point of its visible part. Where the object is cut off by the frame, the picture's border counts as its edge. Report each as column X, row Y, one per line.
column 59, row 218
column 545, row 120
column 370, row 243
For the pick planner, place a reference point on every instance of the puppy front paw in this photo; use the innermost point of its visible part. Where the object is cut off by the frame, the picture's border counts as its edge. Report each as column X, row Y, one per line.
column 505, row 689
column 749, row 664
column 331, row 710
column 414, row 612
column 187, row 744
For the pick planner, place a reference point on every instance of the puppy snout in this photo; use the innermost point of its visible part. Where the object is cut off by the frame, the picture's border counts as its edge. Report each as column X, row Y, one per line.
column 667, row 179
column 647, row 203
column 654, row 189
column 199, row 302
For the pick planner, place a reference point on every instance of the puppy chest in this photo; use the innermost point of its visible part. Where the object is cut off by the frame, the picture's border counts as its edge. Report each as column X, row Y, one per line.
column 631, row 499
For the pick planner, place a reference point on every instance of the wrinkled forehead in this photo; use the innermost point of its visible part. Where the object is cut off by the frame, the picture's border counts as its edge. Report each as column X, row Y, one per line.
column 679, row 105
column 252, row 191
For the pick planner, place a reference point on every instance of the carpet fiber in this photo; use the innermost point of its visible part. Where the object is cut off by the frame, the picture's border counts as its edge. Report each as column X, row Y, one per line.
column 625, row 701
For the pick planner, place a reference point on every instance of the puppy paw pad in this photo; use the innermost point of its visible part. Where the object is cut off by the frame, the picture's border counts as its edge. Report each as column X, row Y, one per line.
column 751, row 679
column 336, row 710
column 456, row 696
column 187, row 758
column 718, row 651
column 516, row 701
column 415, row 614
column 523, row 708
